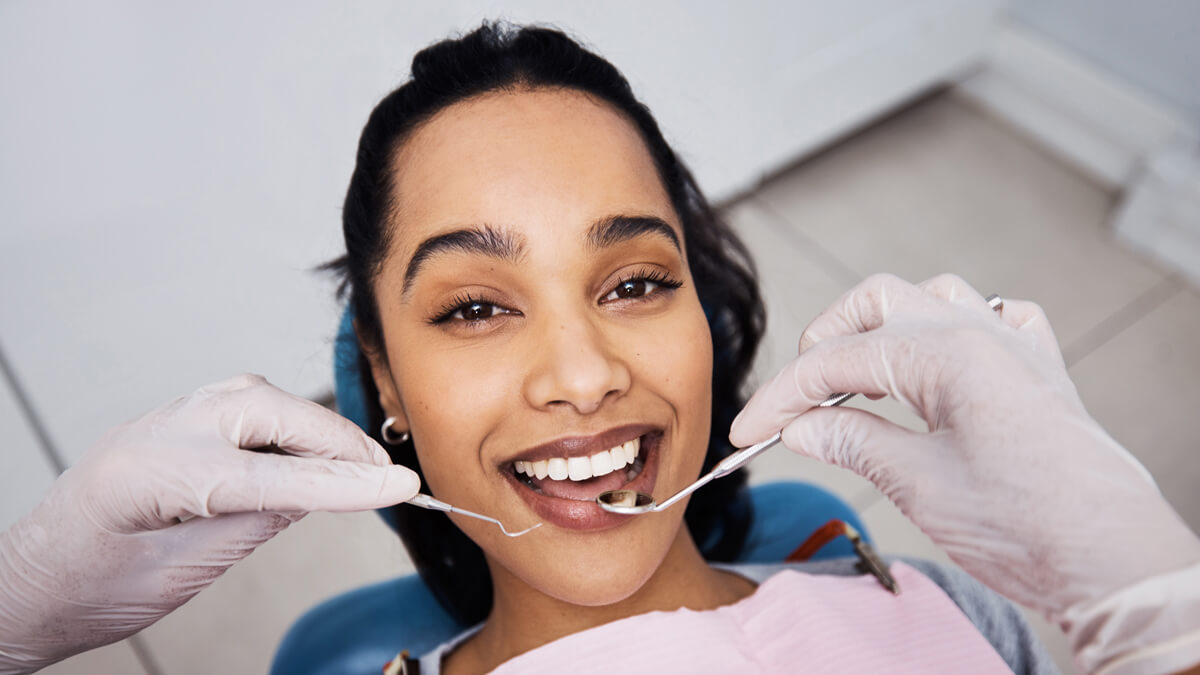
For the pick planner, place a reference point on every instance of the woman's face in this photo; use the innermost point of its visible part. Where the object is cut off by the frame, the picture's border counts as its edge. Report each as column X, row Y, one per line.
column 541, row 326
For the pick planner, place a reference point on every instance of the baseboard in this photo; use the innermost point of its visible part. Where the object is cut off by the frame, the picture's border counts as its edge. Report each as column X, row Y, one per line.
column 1159, row 212
column 1090, row 118
column 1123, row 138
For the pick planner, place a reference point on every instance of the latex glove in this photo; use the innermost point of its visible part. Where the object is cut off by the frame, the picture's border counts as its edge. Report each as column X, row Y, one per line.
column 1014, row 480
column 106, row 554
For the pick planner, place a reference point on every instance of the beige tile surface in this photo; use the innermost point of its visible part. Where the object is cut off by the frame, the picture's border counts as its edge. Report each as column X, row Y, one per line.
column 236, row 624
column 798, row 281
column 895, row 534
column 1143, row 386
column 115, row 659
column 940, row 188
column 795, row 288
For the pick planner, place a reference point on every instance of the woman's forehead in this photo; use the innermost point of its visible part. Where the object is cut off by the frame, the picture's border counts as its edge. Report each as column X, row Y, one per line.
column 524, row 158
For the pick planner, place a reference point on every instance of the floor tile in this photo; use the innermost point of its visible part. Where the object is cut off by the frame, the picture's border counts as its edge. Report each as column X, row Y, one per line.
column 795, row 289
column 249, row 609
column 942, row 188
column 114, row 659
column 895, row 534
column 27, row 473
column 1143, row 386
column 797, row 284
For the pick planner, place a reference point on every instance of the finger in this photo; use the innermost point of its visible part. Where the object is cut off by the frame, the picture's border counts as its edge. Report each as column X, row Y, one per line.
column 235, row 383
column 203, row 548
column 1029, row 317
column 857, row 440
column 954, row 290
column 863, row 364
column 263, row 415
column 863, row 308
column 246, row 482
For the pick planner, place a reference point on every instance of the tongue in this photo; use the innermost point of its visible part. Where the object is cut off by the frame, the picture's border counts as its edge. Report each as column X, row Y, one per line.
column 586, row 490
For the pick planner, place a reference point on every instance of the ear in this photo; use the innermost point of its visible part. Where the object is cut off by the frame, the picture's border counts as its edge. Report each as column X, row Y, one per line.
column 381, row 373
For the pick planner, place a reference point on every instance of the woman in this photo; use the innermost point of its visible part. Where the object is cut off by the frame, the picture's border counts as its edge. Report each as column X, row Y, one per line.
column 582, row 302
column 549, row 309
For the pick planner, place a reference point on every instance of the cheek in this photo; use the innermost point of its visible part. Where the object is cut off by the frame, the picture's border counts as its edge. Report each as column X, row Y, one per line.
column 453, row 399
column 677, row 362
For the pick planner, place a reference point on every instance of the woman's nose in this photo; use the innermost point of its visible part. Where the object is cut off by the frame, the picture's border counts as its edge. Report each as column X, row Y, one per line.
column 574, row 364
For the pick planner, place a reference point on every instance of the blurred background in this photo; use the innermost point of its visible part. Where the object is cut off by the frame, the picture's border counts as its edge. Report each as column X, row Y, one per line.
column 171, row 173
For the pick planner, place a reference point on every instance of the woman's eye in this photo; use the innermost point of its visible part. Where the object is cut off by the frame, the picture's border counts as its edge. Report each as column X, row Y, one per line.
column 468, row 311
column 476, row 311
column 639, row 287
column 634, row 288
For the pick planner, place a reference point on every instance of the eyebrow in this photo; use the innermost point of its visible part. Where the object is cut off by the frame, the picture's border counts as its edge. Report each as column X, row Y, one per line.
column 480, row 240
column 501, row 244
column 619, row 229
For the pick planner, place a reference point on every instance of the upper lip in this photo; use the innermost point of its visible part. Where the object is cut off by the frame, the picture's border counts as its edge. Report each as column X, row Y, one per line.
column 583, row 446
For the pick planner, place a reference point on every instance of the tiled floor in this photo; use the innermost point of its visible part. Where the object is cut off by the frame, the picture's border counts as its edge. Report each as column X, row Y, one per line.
column 938, row 187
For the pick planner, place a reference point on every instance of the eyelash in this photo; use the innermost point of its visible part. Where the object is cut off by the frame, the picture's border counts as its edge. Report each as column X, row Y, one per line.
column 461, row 302
column 656, row 277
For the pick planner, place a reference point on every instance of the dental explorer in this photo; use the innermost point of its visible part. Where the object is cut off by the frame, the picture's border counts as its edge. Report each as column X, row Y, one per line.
column 427, row 502
column 633, row 503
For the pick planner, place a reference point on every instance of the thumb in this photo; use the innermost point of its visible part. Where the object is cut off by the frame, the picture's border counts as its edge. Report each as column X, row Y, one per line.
column 862, row 442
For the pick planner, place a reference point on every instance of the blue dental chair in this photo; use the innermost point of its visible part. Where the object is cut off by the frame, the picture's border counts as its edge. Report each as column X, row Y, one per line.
column 361, row 630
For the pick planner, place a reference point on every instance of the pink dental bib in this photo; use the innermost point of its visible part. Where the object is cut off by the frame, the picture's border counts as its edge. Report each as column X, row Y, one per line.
column 793, row 622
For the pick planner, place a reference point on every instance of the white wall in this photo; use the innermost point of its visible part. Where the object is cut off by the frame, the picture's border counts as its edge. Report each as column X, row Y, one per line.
column 171, row 171
column 1151, row 45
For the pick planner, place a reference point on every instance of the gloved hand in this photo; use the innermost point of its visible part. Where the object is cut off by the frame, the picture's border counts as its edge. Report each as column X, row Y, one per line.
column 1014, row 480
column 162, row 506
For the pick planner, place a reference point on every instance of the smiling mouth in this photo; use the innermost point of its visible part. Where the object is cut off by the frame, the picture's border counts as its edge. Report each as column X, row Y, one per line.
column 584, row 478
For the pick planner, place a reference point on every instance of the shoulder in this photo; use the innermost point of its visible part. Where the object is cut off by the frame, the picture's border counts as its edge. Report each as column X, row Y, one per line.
column 997, row 619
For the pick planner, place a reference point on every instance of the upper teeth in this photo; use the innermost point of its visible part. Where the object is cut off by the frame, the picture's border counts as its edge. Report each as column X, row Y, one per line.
column 582, row 468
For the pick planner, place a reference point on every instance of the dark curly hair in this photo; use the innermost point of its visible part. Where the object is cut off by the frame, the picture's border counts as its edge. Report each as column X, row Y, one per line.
column 500, row 57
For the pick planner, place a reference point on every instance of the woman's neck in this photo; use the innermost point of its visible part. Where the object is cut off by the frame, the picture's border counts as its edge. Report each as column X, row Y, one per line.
column 523, row 618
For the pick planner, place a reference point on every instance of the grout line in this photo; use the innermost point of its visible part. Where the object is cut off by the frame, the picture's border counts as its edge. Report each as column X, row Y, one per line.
column 830, row 263
column 137, row 644
column 56, row 460
column 1120, row 320
column 35, row 422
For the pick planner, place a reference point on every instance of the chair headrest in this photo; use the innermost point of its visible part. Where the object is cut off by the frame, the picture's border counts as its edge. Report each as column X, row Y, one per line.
column 347, row 380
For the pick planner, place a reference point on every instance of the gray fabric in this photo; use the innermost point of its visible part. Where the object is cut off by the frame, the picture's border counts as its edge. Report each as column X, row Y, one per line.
column 997, row 619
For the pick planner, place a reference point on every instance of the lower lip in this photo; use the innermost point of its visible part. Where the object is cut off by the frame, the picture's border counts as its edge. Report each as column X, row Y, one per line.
column 587, row 516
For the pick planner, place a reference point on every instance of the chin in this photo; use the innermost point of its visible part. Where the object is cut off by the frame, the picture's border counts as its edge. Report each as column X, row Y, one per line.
column 608, row 580
column 598, row 569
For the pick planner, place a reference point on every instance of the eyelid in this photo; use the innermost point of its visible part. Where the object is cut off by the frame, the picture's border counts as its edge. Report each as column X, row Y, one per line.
column 462, row 300
column 661, row 278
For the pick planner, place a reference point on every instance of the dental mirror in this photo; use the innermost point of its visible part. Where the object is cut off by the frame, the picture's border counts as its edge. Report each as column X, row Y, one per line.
column 426, row 502
column 634, row 503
